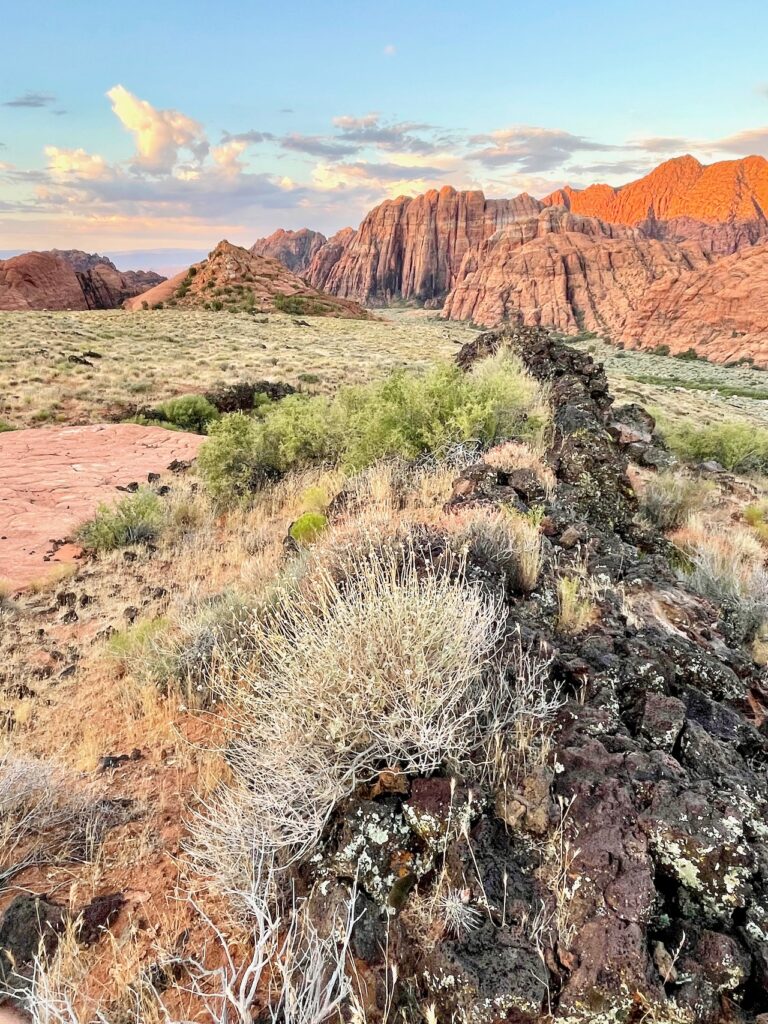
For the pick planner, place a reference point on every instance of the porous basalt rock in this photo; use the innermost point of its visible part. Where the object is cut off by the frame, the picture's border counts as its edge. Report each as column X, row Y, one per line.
column 624, row 877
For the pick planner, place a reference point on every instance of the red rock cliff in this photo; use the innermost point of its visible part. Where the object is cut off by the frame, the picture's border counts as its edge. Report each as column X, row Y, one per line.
column 722, row 205
column 294, row 249
column 411, row 248
column 564, row 271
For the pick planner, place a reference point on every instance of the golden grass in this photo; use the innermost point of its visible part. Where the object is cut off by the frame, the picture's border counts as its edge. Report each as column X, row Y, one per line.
column 147, row 356
column 576, row 607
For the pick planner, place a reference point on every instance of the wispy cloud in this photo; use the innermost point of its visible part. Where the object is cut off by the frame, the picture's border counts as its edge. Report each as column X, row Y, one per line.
column 177, row 179
column 390, row 50
column 532, row 149
column 317, row 145
column 31, row 99
column 251, row 137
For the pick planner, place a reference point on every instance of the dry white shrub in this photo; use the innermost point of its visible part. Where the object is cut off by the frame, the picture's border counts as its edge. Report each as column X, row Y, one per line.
column 401, row 668
column 727, row 566
column 44, row 817
column 502, row 536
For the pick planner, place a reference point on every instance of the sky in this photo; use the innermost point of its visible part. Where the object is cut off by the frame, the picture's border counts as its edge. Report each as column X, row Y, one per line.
column 152, row 126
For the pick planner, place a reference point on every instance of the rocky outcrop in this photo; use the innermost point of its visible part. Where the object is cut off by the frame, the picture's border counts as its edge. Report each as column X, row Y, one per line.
column 327, row 256
column 411, row 248
column 39, row 280
column 721, row 206
column 721, row 310
column 68, row 279
column 294, row 249
column 235, row 278
column 573, row 273
column 564, row 271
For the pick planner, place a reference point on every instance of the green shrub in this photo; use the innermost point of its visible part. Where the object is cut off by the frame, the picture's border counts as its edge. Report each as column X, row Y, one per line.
column 307, row 527
column 228, row 459
column 406, row 415
column 150, row 420
column 137, row 518
column 4, row 427
column 739, row 447
column 188, row 412
column 297, row 305
column 690, row 354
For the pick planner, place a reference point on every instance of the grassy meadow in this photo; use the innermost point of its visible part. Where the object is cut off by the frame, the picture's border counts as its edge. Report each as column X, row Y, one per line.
column 139, row 358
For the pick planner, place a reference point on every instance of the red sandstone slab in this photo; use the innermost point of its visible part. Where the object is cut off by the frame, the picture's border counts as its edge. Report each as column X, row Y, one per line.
column 52, row 479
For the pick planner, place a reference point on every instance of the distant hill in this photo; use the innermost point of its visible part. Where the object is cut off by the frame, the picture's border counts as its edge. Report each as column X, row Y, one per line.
column 578, row 259
column 68, row 279
column 294, row 249
column 731, row 194
column 235, row 278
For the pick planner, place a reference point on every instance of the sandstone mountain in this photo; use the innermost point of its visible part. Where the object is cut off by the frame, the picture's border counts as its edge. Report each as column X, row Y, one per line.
column 294, row 249
column 234, row 278
column 68, row 279
column 411, row 248
column 564, row 271
column 574, row 273
column 720, row 310
column 722, row 206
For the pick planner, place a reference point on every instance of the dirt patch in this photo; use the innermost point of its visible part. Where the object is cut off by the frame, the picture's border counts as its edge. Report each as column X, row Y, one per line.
column 55, row 478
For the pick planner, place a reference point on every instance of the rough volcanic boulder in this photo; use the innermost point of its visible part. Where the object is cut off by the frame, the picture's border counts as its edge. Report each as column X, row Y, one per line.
column 624, row 876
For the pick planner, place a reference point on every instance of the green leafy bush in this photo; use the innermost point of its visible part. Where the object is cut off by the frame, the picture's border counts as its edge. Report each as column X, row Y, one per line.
column 4, row 427
column 406, row 415
column 298, row 305
column 739, row 447
column 137, row 518
column 307, row 527
column 188, row 412
column 228, row 460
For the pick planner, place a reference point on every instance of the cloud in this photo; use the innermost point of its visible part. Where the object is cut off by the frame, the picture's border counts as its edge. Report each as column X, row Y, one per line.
column 372, row 130
column 159, row 134
column 31, row 99
column 753, row 140
column 65, row 164
column 317, row 145
column 389, row 171
column 252, row 137
column 663, row 144
column 623, row 167
column 530, row 148
column 390, row 50
column 227, row 157
column 744, row 143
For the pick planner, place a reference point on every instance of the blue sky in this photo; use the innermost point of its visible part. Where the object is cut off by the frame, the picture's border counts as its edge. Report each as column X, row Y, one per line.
column 176, row 124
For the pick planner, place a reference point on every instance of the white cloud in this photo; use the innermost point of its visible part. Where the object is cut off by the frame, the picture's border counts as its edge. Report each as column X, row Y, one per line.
column 159, row 134
column 64, row 164
column 227, row 157
column 390, row 50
